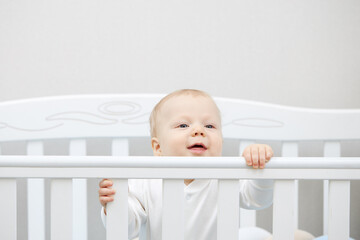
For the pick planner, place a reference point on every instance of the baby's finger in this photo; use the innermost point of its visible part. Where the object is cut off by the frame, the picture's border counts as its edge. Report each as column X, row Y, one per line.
column 262, row 159
column 255, row 157
column 106, row 191
column 247, row 157
column 105, row 183
column 269, row 153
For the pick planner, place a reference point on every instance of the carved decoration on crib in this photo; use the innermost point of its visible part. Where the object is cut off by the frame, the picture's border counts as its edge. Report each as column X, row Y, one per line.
column 128, row 115
column 82, row 117
column 127, row 109
column 114, row 108
column 257, row 123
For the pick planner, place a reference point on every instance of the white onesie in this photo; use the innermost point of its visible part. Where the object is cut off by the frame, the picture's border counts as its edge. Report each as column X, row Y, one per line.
column 145, row 204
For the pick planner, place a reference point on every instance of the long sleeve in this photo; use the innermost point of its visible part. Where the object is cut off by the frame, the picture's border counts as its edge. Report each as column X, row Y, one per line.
column 256, row 194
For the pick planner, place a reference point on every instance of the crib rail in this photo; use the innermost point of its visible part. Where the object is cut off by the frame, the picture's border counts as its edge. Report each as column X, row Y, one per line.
column 61, row 169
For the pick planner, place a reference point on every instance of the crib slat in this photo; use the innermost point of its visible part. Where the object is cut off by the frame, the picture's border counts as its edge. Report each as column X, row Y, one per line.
column 36, row 198
column 120, row 147
column 78, row 148
column 8, row 209
column 61, row 209
column 247, row 217
column 228, row 210
column 331, row 149
column 117, row 212
column 291, row 149
column 339, row 210
column 173, row 209
column 283, row 210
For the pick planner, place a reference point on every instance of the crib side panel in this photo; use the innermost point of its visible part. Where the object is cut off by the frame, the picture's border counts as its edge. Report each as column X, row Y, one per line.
column 291, row 149
column 36, row 198
column 117, row 211
column 228, row 210
column 173, row 209
column 8, row 209
column 284, row 209
column 61, row 209
column 339, row 210
column 77, row 147
column 331, row 149
column 247, row 217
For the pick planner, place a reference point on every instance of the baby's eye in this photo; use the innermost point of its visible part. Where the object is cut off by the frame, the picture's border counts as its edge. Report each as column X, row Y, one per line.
column 210, row 126
column 183, row 125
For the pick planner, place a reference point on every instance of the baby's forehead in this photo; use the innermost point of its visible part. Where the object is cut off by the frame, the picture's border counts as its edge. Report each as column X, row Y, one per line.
column 182, row 104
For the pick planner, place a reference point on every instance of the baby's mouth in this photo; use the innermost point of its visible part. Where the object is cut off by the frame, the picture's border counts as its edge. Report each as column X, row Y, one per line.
column 198, row 147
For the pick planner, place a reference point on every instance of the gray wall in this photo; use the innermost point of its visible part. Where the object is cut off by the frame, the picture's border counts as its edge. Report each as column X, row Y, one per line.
column 300, row 53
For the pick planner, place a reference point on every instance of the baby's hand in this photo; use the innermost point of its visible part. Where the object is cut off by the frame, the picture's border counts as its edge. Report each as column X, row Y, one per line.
column 257, row 155
column 106, row 192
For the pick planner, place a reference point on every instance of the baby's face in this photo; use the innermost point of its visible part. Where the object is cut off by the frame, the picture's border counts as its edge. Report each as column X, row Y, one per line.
column 188, row 126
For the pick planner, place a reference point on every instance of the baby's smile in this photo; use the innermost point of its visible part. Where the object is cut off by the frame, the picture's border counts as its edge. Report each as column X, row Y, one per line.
column 197, row 148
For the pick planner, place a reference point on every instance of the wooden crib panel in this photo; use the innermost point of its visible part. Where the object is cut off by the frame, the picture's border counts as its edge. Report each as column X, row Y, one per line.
column 36, row 198
column 331, row 149
column 291, row 149
column 339, row 210
column 228, row 210
column 117, row 212
column 61, row 209
column 127, row 116
column 173, row 209
column 284, row 210
column 8, row 210
column 247, row 217
column 120, row 147
column 77, row 147
column 117, row 218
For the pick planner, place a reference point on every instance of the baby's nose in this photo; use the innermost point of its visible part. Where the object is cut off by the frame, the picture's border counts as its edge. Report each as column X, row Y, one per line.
column 198, row 131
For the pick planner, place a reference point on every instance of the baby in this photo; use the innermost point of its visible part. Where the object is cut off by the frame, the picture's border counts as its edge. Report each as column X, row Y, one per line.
column 188, row 123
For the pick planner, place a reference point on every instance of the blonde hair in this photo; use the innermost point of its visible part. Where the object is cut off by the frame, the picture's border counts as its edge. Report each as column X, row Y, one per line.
column 156, row 109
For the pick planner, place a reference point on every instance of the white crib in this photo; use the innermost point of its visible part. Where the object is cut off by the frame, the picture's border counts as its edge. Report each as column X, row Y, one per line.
column 123, row 117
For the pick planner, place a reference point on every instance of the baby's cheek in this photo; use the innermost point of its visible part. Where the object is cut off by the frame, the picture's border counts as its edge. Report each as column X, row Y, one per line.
column 218, row 148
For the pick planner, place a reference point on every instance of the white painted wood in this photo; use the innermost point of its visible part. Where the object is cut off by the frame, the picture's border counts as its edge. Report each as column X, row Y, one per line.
column 78, row 148
column 284, row 210
column 173, row 209
column 36, row 198
column 228, row 210
column 247, row 217
column 61, row 209
column 291, row 149
column 117, row 212
column 8, row 211
column 331, row 149
column 120, row 147
column 177, row 162
column 176, row 167
column 339, row 210
column 175, row 173
column 126, row 115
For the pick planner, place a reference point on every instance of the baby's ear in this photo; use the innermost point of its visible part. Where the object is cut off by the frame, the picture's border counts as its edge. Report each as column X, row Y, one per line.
column 155, row 146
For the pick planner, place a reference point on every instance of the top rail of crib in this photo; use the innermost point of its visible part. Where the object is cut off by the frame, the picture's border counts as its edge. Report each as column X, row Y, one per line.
column 126, row 115
column 336, row 168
